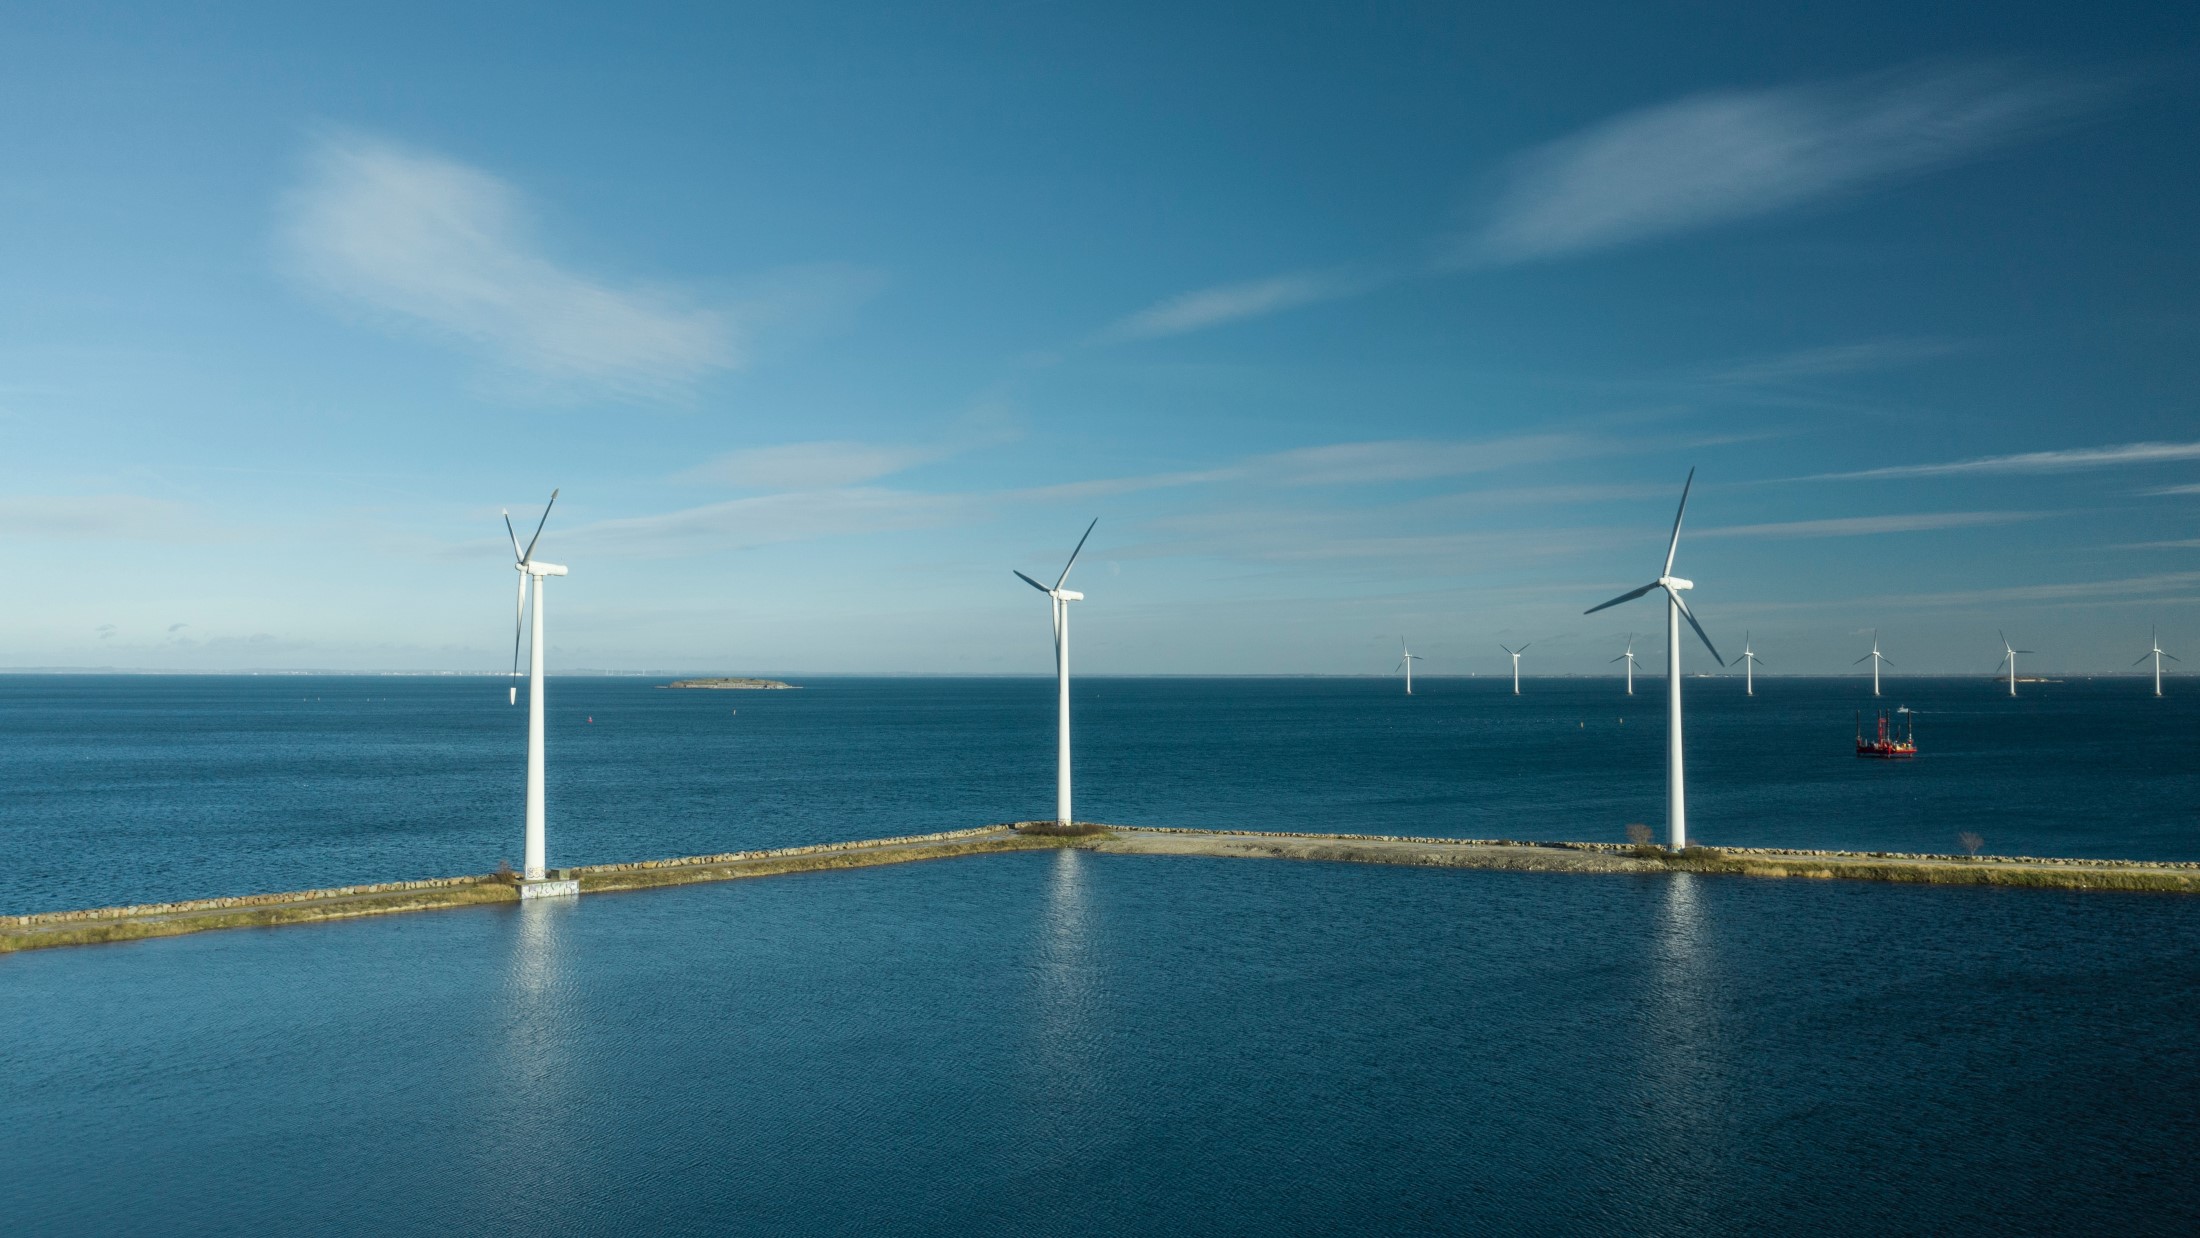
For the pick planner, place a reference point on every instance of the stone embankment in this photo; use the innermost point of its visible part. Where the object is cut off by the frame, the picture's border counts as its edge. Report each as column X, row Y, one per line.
column 62, row 928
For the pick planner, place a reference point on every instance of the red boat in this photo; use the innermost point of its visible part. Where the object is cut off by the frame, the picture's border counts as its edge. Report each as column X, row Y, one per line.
column 1888, row 745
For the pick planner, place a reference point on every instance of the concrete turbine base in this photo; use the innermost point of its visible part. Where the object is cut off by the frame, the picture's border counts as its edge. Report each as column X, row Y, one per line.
column 550, row 887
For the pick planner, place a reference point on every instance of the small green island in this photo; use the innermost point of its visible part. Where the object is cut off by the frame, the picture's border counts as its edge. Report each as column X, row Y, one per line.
column 753, row 684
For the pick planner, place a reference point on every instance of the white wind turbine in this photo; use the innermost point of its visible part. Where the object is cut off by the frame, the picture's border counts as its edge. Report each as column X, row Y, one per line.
column 1406, row 659
column 2009, row 655
column 1875, row 658
column 2154, row 639
column 1629, row 658
column 1676, row 800
column 530, row 570
column 1061, row 599
column 1749, row 661
column 1516, row 663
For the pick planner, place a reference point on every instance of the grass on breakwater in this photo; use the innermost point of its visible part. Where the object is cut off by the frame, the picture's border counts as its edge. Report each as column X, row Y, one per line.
column 109, row 924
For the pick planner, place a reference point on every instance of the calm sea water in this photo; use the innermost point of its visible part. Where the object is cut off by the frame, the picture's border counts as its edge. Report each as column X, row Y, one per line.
column 1070, row 1043
column 1045, row 1043
column 131, row 788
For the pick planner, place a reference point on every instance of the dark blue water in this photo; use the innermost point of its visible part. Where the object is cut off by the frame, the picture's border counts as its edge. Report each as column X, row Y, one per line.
column 1046, row 1043
column 131, row 788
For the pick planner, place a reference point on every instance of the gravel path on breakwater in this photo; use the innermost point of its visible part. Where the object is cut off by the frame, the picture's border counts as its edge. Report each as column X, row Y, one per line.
column 110, row 924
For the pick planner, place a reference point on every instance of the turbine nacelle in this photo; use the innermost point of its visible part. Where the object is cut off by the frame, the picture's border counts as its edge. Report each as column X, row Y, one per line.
column 1674, row 583
column 1066, row 595
column 540, row 569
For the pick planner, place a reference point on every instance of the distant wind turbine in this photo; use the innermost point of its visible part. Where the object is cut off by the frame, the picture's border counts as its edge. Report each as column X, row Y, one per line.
column 1749, row 661
column 534, row 865
column 1406, row 659
column 1875, row 658
column 1629, row 658
column 2009, row 655
column 1676, row 800
column 2154, row 639
column 1516, row 663
column 1061, row 600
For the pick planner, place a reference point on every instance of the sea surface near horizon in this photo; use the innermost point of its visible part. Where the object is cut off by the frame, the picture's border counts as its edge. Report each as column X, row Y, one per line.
column 1072, row 1043
column 134, row 788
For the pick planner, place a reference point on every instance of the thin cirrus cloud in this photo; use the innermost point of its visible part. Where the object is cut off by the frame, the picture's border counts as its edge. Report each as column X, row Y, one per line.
column 2067, row 461
column 811, row 466
column 99, row 517
column 1859, row 526
column 437, row 245
column 1224, row 303
column 1825, row 361
column 1722, row 157
column 818, row 491
column 770, row 519
column 1693, row 163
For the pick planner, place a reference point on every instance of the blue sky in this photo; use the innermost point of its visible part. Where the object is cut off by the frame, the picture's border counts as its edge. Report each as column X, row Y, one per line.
column 1349, row 325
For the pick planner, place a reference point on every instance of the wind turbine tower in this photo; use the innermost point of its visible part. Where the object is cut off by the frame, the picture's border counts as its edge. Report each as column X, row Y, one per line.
column 2009, row 656
column 1406, row 659
column 527, row 621
column 1629, row 658
column 1061, row 599
column 1676, row 799
column 1875, row 658
column 2154, row 639
column 1749, row 661
column 1516, row 663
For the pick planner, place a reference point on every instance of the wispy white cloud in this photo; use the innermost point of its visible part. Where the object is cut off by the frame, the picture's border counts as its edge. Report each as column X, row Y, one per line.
column 1692, row 163
column 99, row 516
column 811, row 466
column 771, row 519
column 1825, row 361
column 1396, row 460
column 1225, row 303
column 2068, row 460
column 1720, row 157
column 1349, row 464
column 436, row 244
column 2166, row 491
column 1857, row 526
column 2073, row 591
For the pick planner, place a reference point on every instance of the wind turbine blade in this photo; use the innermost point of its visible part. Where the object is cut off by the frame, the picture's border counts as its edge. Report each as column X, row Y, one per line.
column 517, row 555
column 2144, row 656
column 2173, row 657
column 1524, row 648
column 2027, row 651
column 1675, row 544
column 1886, row 660
column 1860, row 661
column 1624, row 597
column 529, row 553
column 1509, row 649
column 1074, row 553
column 1691, row 617
column 1395, row 669
column 519, row 622
column 1033, row 583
